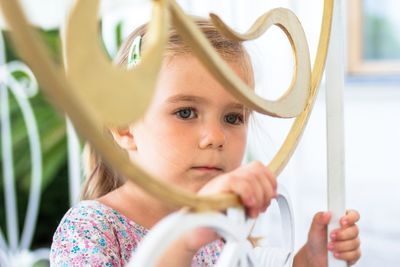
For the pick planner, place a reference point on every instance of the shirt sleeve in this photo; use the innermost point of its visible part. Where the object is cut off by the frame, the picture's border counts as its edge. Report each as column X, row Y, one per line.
column 84, row 243
column 208, row 255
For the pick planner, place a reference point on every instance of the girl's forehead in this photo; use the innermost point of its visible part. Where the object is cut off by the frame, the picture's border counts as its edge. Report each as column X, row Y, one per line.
column 185, row 75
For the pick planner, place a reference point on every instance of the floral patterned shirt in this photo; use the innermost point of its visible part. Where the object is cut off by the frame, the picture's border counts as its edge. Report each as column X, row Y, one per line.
column 93, row 234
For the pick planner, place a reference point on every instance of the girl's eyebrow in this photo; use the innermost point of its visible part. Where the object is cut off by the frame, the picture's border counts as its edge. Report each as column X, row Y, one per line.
column 236, row 106
column 186, row 98
column 198, row 99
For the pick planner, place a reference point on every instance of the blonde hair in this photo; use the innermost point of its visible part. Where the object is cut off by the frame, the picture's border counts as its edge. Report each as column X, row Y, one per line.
column 100, row 178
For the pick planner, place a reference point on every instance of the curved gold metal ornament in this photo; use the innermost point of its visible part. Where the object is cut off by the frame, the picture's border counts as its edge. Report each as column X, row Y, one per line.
column 289, row 145
column 292, row 103
column 93, row 76
column 88, row 122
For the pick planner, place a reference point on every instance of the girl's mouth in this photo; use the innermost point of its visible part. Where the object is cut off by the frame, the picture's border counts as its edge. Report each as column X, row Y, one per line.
column 207, row 168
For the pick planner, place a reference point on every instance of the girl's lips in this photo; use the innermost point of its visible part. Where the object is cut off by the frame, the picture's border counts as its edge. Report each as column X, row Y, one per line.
column 207, row 168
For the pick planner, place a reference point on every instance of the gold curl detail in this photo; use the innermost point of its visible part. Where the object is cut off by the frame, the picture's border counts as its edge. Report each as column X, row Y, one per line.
column 110, row 90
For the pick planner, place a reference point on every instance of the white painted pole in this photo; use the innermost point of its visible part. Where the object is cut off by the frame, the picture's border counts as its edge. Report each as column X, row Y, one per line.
column 74, row 163
column 335, row 125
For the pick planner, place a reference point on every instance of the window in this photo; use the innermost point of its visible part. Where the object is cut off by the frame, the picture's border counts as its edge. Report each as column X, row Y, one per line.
column 373, row 37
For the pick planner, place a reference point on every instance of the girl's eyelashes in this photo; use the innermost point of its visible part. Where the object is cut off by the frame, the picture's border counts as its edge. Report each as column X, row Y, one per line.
column 234, row 118
column 186, row 113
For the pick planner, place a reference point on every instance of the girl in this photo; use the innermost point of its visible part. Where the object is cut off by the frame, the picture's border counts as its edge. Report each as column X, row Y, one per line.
column 193, row 135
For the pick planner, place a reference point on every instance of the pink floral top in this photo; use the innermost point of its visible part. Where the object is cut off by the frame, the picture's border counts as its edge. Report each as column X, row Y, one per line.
column 93, row 234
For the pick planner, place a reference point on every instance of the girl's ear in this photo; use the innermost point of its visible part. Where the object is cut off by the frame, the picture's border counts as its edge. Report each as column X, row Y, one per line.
column 124, row 138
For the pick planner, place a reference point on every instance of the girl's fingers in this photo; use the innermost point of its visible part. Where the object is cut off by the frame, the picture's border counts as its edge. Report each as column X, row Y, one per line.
column 257, row 189
column 244, row 189
column 262, row 182
column 254, row 210
column 266, row 174
column 254, row 184
column 351, row 217
column 344, row 246
column 269, row 194
column 351, row 256
column 269, row 184
column 345, row 234
column 272, row 178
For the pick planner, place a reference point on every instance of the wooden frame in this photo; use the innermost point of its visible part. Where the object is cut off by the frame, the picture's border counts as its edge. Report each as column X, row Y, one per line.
column 357, row 65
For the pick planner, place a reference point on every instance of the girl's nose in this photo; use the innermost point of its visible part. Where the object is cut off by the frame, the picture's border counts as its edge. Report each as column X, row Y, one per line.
column 213, row 136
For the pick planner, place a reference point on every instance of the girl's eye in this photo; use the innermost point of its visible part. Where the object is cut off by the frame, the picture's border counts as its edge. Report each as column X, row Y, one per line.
column 186, row 113
column 234, row 118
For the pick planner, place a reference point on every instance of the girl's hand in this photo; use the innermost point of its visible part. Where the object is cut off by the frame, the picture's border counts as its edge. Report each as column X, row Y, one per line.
column 254, row 184
column 344, row 242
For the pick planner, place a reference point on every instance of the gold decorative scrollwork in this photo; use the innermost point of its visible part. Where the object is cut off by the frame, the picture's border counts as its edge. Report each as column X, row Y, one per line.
column 109, row 90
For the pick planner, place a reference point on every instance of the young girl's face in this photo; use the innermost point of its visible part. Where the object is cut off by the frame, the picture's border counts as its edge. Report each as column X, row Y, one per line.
column 193, row 130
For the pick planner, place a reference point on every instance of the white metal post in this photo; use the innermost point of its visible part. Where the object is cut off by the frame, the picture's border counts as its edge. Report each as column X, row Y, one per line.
column 335, row 126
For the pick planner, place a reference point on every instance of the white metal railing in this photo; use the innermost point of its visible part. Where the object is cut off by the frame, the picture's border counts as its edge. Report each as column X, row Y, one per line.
column 15, row 251
column 233, row 227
